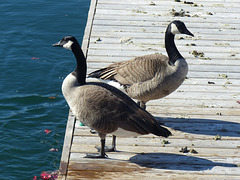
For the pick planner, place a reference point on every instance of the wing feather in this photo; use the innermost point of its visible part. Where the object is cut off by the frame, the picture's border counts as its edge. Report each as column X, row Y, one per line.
column 114, row 109
column 136, row 70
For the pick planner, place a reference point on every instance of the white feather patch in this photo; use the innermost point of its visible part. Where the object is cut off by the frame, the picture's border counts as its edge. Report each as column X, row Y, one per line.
column 68, row 45
column 124, row 133
column 111, row 83
column 116, row 85
column 174, row 29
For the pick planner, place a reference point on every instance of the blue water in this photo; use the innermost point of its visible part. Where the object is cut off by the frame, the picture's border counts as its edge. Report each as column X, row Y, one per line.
column 31, row 71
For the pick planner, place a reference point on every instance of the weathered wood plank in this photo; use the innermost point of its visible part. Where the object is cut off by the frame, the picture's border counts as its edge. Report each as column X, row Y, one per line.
column 67, row 146
column 155, row 142
column 88, row 28
column 207, row 152
column 136, row 175
column 165, row 6
column 161, row 29
column 193, row 22
column 225, row 135
column 123, row 39
column 131, row 54
column 191, row 62
column 139, row 2
column 162, row 162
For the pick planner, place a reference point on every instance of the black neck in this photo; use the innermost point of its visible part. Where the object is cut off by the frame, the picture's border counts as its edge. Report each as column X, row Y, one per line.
column 81, row 70
column 171, row 48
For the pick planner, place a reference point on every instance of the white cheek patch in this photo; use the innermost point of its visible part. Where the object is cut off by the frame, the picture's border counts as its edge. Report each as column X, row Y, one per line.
column 68, row 45
column 174, row 29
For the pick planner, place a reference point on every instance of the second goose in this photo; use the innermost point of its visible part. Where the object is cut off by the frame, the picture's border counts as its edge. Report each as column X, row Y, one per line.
column 151, row 76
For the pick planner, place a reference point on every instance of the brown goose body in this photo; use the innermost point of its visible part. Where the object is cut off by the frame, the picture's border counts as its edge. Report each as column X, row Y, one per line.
column 102, row 107
column 147, row 77
column 106, row 109
column 151, row 76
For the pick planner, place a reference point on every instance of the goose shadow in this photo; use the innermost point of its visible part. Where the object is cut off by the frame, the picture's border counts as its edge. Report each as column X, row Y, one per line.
column 169, row 161
column 202, row 126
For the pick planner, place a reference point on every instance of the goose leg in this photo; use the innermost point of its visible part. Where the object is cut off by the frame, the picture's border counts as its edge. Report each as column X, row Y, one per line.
column 102, row 150
column 111, row 148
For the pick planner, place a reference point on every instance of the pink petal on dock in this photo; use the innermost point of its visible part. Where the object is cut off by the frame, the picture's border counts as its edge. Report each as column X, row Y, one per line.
column 45, row 176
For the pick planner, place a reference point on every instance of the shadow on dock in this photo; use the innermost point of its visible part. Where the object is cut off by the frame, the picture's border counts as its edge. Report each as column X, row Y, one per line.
column 202, row 126
column 175, row 162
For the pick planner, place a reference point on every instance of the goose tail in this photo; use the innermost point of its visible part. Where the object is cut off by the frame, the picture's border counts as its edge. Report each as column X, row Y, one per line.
column 150, row 125
column 161, row 131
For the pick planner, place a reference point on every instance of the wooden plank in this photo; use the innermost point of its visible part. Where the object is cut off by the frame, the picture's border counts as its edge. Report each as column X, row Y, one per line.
column 88, row 28
column 166, row 6
column 155, row 142
column 79, row 131
column 139, row 2
column 186, row 54
column 106, row 60
column 162, row 162
column 158, row 46
column 135, row 175
column 67, row 146
column 152, row 18
column 184, row 133
column 161, row 28
column 220, row 12
column 207, row 152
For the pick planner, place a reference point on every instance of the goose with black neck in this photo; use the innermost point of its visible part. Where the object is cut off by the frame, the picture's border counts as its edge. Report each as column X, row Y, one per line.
column 153, row 76
column 102, row 107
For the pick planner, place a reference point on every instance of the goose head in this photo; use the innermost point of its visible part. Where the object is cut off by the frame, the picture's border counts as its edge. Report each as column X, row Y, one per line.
column 71, row 43
column 67, row 42
column 178, row 27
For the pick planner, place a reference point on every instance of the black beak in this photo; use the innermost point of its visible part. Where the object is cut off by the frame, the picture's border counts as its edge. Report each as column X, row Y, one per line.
column 188, row 33
column 58, row 44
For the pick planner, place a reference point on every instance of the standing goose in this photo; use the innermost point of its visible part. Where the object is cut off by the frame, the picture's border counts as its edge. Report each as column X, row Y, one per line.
column 151, row 76
column 103, row 107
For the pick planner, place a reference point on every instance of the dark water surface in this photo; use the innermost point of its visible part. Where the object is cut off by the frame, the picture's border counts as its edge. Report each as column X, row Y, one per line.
column 31, row 71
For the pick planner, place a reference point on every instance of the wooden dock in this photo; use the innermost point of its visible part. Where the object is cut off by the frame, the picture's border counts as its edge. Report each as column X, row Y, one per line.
column 203, row 114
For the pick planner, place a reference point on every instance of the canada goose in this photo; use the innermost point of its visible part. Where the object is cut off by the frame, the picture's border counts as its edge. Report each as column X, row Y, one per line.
column 151, row 76
column 103, row 107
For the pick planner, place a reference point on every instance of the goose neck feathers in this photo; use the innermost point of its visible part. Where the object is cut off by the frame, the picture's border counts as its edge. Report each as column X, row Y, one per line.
column 81, row 70
column 71, row 43
column 175, row 27
column 171, row 48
